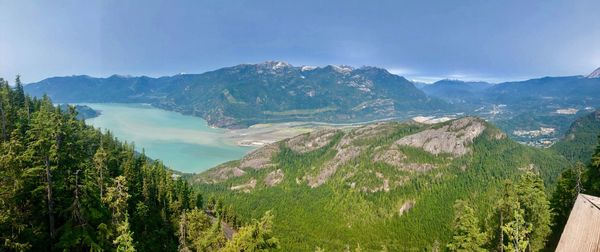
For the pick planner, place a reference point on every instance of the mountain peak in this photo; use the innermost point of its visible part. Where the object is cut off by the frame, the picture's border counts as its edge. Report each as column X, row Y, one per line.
column 276, row 64
column 341, row 68
column 373, row 68
column 595, row 74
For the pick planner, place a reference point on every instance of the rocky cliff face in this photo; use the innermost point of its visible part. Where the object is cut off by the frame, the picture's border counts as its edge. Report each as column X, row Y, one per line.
column 453, row 138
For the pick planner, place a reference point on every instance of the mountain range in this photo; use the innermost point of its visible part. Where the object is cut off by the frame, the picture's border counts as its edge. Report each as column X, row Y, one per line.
column 557, row 91
column 275, row 91
column 247, row 94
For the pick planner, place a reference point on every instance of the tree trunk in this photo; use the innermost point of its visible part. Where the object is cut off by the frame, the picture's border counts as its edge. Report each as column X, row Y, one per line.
column 501, row 233
column 101, row 183
column 76, row 214
column 50, row 198
column 27, row 107
column 4, row 135
column 183, row 232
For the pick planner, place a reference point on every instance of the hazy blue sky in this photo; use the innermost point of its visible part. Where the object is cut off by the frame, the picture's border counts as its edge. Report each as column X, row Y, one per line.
column 492, row 40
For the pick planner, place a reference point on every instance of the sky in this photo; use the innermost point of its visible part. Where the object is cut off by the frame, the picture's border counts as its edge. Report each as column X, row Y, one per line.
column 421, row 40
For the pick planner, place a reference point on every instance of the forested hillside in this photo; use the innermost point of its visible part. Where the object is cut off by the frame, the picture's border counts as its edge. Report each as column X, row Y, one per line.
column 65, row 186
column 580, row 140
column 393, row 186
column 582, row 147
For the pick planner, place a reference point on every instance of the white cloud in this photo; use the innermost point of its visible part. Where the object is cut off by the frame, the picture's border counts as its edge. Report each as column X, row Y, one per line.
column 400, row 70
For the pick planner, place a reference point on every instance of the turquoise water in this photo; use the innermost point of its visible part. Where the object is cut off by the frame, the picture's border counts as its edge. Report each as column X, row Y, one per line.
column 184, row 143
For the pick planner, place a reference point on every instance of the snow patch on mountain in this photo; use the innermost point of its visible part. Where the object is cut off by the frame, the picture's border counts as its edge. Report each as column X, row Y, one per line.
column 342, row 69
column 308, row 68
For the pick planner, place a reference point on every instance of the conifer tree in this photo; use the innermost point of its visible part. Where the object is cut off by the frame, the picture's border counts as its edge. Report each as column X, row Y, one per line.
column 19, row 97
column 183, row 231
column 467, row 235
column 536, row 208
column 564, row 196
column 61, row 190
column 100, row 163
column 116, row 197
column 517, row 231
column 43, row 149
column 124, row 240
column 254, row 237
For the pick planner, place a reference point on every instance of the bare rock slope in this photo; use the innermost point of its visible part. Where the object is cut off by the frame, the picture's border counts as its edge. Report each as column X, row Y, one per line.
column 379, row 143
column 453, row 138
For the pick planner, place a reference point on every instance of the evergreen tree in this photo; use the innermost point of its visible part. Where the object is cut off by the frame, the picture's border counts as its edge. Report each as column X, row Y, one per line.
column 254, row 237
column 528, row 198
column 67, row 186
column 183, row 227
column 564, row 195
column 593, row 172
column 517, row 231
column 19, row 94
column 211, row 240
column 76, row 234
column 199, row 201
column 4, row 103
column 467, row 235
column 42, row 152
column 100, row 163
column 533, row 200
column 198, row 225
column 116, row 197
column 124, row 240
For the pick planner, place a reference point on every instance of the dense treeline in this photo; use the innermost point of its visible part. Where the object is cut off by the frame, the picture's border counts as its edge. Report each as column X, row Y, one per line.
column 65, row 186
column 524, row 219
column 520, row 221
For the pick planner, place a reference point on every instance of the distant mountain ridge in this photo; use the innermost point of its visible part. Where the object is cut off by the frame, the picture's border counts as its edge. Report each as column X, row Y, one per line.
column 456, row 91
column 563, row 90
column 247, row 94
column 566, row 88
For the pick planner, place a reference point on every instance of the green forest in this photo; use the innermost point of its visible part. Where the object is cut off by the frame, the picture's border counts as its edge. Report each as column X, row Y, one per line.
column 66, row 186
column 471, row 203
